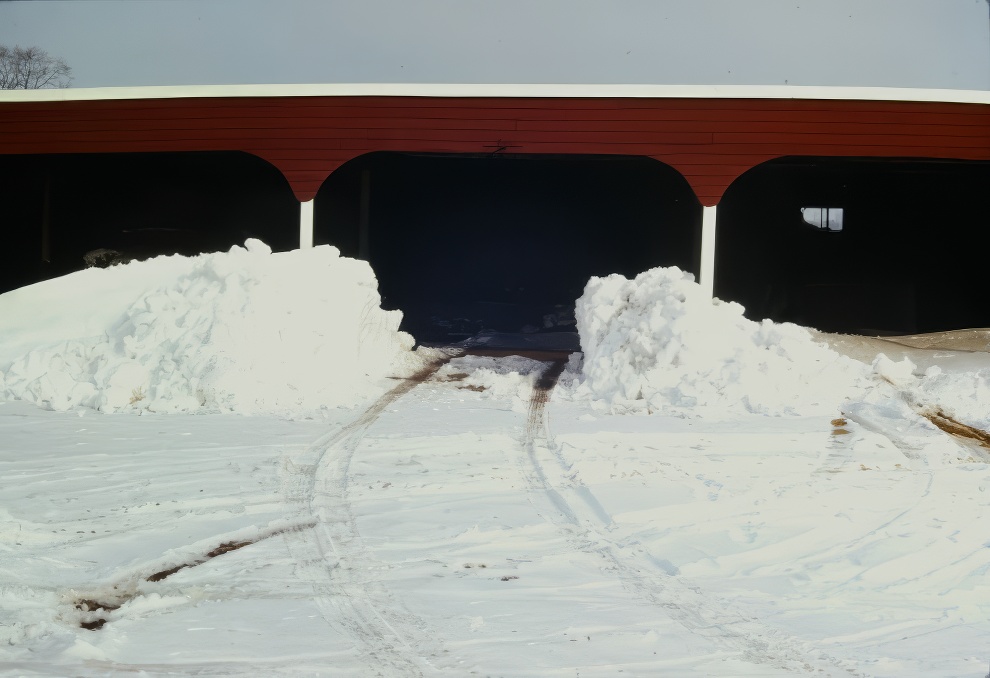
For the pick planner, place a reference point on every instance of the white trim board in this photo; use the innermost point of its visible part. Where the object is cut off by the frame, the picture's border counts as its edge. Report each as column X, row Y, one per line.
column 549, row 91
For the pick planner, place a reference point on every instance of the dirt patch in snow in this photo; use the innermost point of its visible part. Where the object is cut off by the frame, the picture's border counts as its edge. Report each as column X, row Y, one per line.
column 94, row 611
column 218, row 551
column 957, row 428
column 541, row 392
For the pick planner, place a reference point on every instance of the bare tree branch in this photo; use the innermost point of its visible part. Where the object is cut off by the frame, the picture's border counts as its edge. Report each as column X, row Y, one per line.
column 32, row 68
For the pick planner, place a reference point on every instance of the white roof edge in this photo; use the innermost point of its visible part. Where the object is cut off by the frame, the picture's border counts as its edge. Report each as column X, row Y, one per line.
column 501, row 90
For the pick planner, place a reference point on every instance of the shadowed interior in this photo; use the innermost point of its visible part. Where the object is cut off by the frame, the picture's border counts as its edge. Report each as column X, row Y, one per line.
column 138, row 204
column 507, row 243
column 910, row 256
column 504, row 242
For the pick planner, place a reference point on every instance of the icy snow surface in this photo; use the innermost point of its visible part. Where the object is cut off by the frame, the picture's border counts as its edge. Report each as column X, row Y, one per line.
column 472, row 524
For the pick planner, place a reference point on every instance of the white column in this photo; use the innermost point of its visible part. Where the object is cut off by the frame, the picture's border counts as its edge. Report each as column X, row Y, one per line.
column 306, row 225
column 707, row 280
column 364, row 220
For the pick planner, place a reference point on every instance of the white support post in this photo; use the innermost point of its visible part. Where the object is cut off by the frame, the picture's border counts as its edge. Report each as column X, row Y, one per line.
column 364, row 220
column 306, row 225
column 708, row 250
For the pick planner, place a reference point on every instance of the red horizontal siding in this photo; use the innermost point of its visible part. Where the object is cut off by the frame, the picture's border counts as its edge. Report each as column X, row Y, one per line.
column 710, row 141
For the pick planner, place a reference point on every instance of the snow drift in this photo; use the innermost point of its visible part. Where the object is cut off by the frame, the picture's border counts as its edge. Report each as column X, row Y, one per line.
column 247, row 331
column 657, row 343
column 961, row 395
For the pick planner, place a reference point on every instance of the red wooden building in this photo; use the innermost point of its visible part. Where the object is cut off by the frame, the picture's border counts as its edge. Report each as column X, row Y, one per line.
column 711, row 136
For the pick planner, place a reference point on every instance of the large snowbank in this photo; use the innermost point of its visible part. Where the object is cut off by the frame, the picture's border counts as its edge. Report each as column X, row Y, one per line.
column 246, row 330
column 253, row 331
column 657, row 343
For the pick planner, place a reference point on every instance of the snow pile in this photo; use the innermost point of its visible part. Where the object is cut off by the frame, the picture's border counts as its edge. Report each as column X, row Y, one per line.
column 247, row 331
column 658, row 344
column 960, row 395
column 900, row 374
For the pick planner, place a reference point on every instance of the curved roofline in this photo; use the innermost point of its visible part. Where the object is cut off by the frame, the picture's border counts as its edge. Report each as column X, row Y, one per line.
column 438, row 90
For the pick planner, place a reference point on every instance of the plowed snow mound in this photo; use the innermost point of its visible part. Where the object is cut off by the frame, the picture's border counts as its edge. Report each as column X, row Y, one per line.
column 245, row 330
column 658, row 344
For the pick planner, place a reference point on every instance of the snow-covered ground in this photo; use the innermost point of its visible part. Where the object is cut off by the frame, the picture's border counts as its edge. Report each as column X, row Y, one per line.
column 235, row 464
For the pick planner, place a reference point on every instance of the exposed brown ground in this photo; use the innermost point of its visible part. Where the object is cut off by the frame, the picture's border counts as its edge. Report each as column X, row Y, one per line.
column 922, row 349
column 912, row 346
column 953, row 340
column 957, row 428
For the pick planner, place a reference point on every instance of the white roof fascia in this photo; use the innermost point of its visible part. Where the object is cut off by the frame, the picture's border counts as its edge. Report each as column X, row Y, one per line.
column 501, row 91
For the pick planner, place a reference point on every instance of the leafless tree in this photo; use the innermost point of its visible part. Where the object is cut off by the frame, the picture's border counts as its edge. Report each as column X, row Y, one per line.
column 32, row 68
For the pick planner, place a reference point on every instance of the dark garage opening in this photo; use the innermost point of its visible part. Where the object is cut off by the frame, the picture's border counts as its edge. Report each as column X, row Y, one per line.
column 62, row 207
column 899, row 250
column 465, row 244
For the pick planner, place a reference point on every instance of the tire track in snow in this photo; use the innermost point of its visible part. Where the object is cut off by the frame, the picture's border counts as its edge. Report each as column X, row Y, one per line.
column 344, row 574
column 93, row 607
column 586, row 525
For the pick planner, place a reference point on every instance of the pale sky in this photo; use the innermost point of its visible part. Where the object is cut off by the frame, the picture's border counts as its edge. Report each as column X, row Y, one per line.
column 892, row 43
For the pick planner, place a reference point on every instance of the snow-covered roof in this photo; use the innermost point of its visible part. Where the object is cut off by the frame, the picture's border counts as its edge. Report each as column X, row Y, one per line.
column 507, row 90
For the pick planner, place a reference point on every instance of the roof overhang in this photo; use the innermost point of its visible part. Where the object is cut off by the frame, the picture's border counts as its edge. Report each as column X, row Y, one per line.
column 550, row 91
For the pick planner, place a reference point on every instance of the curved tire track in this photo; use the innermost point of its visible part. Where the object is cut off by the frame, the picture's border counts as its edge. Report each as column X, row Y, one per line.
column 344, row 573
column 586, row 524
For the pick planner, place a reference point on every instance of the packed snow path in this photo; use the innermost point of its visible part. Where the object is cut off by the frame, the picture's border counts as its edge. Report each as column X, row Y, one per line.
column 470, row 524
column 564, row 515
column 766, row 506
column 589, row 528
column 350, row 596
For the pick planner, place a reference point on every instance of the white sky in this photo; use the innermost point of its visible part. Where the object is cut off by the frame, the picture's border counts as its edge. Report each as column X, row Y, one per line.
column 897, row 43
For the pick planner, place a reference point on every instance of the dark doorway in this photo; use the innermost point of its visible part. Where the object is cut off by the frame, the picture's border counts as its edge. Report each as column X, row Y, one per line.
column 464, row 244
column 65, row 207
column 881, row 247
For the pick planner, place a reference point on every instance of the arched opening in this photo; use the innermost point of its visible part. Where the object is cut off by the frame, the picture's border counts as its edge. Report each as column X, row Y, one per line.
column 869, row 246
column 506, row 243
column 63, row 208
